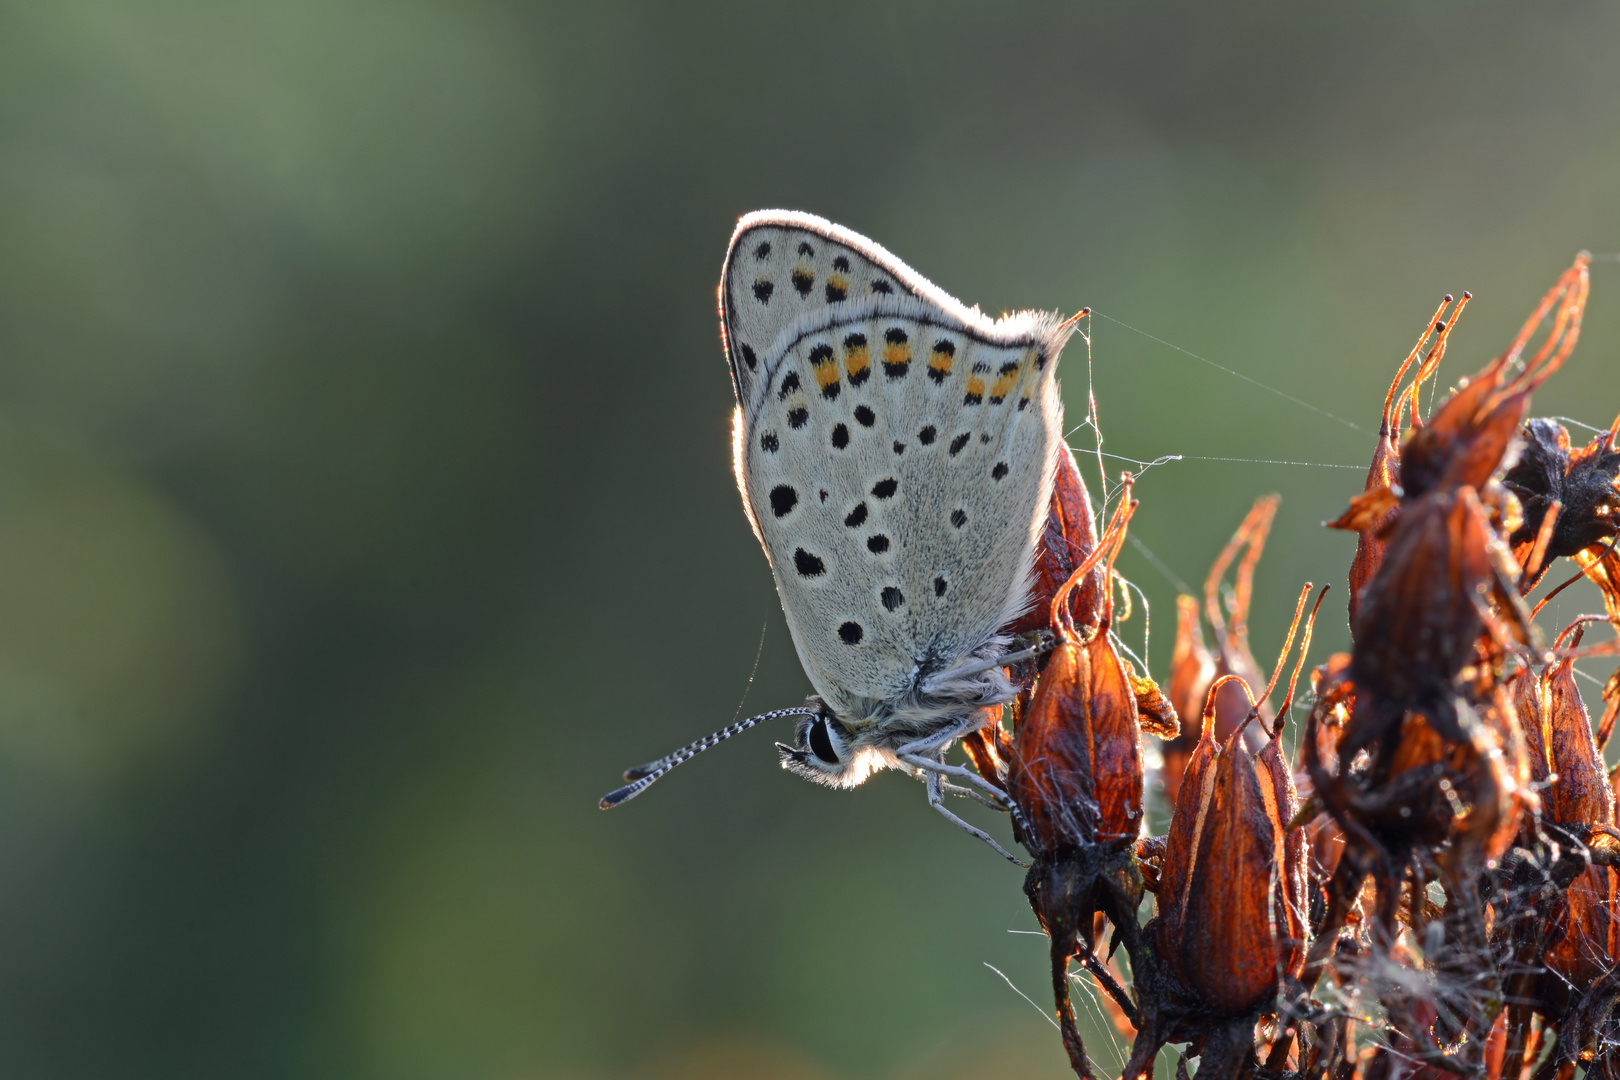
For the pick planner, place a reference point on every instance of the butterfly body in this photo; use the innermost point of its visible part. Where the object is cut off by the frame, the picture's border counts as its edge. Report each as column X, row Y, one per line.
column 895, row 451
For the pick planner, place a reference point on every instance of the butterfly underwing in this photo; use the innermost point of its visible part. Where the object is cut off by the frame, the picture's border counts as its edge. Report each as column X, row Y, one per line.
column 895, row 452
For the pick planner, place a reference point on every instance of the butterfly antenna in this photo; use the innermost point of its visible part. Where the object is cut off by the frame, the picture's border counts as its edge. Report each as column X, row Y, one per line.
column 643, row 776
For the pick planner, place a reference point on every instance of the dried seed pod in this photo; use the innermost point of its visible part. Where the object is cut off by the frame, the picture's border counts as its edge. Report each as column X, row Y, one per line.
column 1077, row 759
column 1076, row 778
column 1181, row 843
column 1423, row 613
column 1581, row 792
column 1232, row 946
column 1232, row 902
column 1583, row 934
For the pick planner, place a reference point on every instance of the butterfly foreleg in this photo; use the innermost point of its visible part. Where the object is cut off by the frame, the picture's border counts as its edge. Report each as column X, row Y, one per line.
column 936, row 799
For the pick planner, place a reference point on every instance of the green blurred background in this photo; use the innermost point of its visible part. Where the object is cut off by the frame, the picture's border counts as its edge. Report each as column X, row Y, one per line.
column 366, row 506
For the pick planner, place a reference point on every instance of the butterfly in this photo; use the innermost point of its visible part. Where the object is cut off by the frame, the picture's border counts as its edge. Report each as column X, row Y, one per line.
column 895, row 451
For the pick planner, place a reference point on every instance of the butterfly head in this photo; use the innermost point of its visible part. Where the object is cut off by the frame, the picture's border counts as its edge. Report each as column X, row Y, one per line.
column 829, row 751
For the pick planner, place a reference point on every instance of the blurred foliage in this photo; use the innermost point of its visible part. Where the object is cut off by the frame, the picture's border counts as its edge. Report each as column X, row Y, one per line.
column 365, row 501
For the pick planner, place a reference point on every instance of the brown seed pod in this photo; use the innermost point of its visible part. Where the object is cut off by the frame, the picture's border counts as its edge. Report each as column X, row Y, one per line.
column 1076, row 777
column 1230, row 854
column 1423, row 613
column 1232, row 916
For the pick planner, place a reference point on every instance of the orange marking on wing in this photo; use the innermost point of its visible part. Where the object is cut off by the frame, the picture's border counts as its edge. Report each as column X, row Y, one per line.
column 940, row 362
column 975, row 386
column 826, row 372
column 856, row 360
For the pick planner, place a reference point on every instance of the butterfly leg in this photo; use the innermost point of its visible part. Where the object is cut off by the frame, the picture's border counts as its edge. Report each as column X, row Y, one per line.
column 928, row 767
column 936, row 799
column 965, row 793
column 927, row 764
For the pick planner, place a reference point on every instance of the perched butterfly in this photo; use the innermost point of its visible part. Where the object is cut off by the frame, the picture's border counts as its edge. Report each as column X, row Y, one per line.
column 895, row 451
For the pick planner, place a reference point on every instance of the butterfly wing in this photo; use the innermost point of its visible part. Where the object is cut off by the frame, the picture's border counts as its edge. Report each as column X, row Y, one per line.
column 894, row 449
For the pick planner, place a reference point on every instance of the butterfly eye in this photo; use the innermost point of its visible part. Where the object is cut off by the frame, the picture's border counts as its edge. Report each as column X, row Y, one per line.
column 821, row 743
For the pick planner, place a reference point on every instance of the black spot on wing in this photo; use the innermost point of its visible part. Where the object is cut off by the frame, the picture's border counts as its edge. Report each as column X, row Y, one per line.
column 856, row 517
column 999, row 471
column 835, row 292
column 926, row 435
column 851, row 633
column 885, row 489
column 803, row 281
column 939, row 586
column 769, row 443
column 865, row 416
column 783, row 499
column 789, row 384
column 763, row 290
column 892, row 598
column 763, row 250
column 806, row 249
column 797, row 418
column 958, row 518
column 899, row 447
column 840, row 436
column 749, row 358
column 877, row 543
column 807, row 564
column 841, row 264
column 883, row 287
column 959, row 442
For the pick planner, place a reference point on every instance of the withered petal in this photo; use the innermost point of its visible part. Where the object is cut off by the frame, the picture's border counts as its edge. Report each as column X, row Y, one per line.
column 1367, row 510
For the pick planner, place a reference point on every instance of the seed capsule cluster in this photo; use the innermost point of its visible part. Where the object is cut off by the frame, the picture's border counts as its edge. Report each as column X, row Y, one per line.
column 1432, row 885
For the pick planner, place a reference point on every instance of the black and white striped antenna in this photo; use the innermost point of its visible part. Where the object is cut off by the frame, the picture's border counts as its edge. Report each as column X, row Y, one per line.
column 643, row 776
